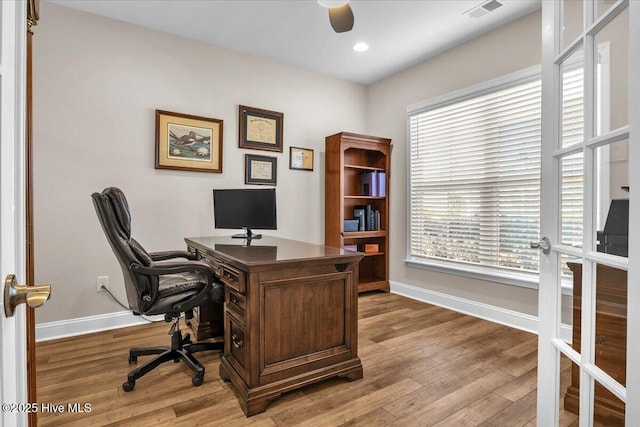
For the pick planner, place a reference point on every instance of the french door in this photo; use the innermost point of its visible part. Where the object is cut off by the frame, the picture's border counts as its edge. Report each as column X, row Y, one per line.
column 590, row 188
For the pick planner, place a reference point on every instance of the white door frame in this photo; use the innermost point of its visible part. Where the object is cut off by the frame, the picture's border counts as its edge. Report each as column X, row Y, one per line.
column 13, row 369
column 550, row 346
column 633, row 291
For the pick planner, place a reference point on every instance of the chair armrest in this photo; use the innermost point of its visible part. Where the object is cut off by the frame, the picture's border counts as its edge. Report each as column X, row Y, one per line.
column 161, row 256
column 160, row 269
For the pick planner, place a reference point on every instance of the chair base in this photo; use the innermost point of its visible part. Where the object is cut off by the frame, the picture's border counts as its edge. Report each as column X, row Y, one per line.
column 181, row 349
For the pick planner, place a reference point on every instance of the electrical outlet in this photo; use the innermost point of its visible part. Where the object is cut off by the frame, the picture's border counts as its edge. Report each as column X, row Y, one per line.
column 102, row 281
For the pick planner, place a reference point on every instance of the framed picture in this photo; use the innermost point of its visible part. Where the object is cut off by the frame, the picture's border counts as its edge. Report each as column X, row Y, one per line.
column 260, row 129
column 260, row 169
column 301, row 158
column 189, row 143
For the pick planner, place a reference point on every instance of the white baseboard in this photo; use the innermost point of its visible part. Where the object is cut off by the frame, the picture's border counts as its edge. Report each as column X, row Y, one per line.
column 514, row 319
column 86, row 325
column 122, row 319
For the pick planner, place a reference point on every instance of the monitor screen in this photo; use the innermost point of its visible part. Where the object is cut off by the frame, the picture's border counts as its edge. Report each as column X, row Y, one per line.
column 245, row 208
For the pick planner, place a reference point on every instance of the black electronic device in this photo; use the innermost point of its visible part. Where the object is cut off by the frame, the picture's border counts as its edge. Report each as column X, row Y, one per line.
column 614, row 239
column 247, row 209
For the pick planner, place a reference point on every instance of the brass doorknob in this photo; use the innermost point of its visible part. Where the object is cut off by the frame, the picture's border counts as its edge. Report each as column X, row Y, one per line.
column 15, row 294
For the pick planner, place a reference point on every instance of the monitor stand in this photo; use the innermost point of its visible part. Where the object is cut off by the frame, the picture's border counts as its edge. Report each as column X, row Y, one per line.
column 248, row 235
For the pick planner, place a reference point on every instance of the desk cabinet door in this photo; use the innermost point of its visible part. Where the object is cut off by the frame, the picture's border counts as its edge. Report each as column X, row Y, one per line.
column 307, row 323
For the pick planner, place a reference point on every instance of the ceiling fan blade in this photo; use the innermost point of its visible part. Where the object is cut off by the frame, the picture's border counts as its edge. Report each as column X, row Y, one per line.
column 341, row 18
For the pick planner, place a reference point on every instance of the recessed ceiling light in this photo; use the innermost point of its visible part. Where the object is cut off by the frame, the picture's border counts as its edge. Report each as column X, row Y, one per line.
column 361, row 47
column 332, row 3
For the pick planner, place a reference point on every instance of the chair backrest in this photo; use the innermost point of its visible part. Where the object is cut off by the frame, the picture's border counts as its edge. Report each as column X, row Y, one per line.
column 113, row 213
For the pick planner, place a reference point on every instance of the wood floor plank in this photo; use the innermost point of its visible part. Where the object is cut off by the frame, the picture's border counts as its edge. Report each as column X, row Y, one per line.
column 477, row 412
column 423, row 365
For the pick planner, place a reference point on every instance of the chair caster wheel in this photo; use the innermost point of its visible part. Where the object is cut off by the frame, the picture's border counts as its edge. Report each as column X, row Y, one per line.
column 133, row 360
column 128, row 386
column 197, row 380
column 176, row 360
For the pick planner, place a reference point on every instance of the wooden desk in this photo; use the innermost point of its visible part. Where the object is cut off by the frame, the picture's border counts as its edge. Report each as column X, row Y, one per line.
column 290, row 314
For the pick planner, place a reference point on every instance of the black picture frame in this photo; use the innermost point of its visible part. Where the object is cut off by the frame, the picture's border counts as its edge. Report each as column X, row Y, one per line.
column 261, row 170
column 260, row 129
column 301, row 158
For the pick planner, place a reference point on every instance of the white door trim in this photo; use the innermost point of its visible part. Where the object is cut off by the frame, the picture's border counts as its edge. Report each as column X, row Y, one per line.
column 13, row 367
column 633, row 273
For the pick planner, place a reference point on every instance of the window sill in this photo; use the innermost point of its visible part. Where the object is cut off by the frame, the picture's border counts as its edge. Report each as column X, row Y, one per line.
column 475, row 272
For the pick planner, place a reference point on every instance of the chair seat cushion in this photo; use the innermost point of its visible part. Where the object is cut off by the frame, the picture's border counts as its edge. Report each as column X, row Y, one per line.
column 176, row 288
column 172, row 284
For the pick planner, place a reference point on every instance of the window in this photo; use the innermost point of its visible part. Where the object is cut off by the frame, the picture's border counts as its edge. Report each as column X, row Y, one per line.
column 474, row 182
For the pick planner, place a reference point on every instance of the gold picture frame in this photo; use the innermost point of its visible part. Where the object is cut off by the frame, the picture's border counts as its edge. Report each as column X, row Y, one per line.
column 260, row 169
column 260, row 129
column 188, row 143
column 301, row 158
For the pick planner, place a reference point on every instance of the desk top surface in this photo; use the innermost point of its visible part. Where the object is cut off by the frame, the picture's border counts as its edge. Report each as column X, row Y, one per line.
column 267, row 249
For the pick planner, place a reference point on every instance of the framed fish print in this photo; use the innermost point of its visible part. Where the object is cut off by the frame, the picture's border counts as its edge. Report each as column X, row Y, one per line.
column 188, row 143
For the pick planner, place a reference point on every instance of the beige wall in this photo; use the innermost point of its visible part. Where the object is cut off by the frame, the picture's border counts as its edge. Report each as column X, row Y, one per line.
column 97, row 83
column 510, row 48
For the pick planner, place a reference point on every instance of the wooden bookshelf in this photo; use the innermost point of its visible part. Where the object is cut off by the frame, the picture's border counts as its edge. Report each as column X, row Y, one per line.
column 348, row 156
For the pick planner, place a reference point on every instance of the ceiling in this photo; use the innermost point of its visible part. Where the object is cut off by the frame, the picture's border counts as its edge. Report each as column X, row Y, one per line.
column 400, row 33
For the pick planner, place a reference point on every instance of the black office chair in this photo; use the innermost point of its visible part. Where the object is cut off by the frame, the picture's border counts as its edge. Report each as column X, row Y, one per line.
column 156, row 287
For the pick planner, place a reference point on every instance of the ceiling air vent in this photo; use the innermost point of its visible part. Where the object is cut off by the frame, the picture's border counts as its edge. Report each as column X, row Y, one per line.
column 483, row 9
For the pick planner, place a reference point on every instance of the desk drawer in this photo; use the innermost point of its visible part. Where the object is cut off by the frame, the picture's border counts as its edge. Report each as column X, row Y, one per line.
column 235, row 303
column 213, row 262
column 233, row 278
column 237, row 354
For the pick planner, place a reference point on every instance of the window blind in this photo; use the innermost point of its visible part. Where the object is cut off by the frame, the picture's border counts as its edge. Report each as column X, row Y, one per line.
column 572, row 166
column 475, row 179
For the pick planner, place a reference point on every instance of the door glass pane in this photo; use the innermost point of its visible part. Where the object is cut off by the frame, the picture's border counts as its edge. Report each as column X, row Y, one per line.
column 571, row 200
column 612, row 198
column 602, row 6
column 611, row 44
column 610, row 341
column 572, row 21
column 573, row 99
column 569, row 405
column 571, row 273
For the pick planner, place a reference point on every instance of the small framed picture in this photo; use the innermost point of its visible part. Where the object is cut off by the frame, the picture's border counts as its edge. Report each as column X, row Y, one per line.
column 260, row 169
column 260, row 129
column 188, row 143
column 301, row 158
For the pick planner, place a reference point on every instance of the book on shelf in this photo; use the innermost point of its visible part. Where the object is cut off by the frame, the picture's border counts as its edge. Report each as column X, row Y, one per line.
column 368, row 218
column 369, row 184
column 381, row 180
column 374, row 184
column 359, row 214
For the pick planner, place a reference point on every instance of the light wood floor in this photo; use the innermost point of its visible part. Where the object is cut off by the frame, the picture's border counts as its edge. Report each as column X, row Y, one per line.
column 423, row 366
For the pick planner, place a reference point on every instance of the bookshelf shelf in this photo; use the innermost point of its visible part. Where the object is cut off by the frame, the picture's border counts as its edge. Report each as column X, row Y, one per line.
column 349, row 156
column 364, row 168
column 374, row 254
column 364, row 234
column 365, row 197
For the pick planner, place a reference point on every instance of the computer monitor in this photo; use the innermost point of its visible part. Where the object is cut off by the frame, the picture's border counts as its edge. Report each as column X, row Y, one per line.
column 247, row 209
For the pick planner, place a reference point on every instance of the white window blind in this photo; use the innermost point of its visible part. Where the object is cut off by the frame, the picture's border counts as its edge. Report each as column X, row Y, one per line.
column 475, row 179
column 572, row 165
